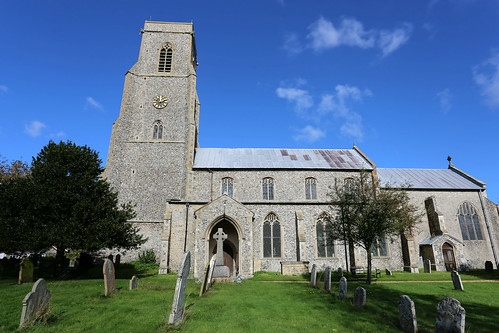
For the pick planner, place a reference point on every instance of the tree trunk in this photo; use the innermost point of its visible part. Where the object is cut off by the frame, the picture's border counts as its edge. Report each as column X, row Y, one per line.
column 368, row 281
column 352, row 254
column 346, row 256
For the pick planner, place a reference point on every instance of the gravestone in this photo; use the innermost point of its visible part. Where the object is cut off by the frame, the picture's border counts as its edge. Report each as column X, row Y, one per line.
column 205, row 280
column 451, row 316
column 343, row 288
column 359, row 297
column 313, row 276
column 456, row 280
column 72, row 263
column 340, row 271
column 134, row 283
column 117, row 259
column 427, row 266
column 109, row 279
column 388, row 272
column 178, row 298
column 26, row 270
column 220, row 271
column 35, row 304
column 407, row 313
column 327, row 279
column 210, row 273
column 488, row 266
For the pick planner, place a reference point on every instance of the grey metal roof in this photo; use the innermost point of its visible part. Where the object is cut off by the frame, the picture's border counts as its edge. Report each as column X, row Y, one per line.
column 267, row 158
column 426, row 179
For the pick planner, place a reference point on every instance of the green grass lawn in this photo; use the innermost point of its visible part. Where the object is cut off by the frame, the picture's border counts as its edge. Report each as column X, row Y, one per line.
column 79, row 305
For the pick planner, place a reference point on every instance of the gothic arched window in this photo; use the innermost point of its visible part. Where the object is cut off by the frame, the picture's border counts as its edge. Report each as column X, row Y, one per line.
column 228, row 186
column 350, row 187
column 325, row 242
column 157, row 131
column 311, row 188
column 469, row 222
column 268, row 188
column 165, row 59
column 378, row 249
column 271, row 237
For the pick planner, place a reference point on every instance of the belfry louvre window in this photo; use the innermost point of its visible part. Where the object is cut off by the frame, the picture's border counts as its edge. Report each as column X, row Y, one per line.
column 378, row 249
column 157, row 132
column 311, row 188
column 268, row 188
column 469, row 222
column 325, row 242
column 227, row 186
column 271, row 237
column 165, row 59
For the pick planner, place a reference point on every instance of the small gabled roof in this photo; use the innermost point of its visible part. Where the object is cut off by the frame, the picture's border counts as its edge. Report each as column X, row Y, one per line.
column 270, row 158
column 442, row 179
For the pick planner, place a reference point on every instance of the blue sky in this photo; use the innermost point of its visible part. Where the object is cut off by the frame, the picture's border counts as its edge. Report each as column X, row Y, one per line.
column 410, row 82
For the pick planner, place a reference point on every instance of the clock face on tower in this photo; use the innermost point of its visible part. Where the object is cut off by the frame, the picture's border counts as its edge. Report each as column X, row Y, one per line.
column 160, row 102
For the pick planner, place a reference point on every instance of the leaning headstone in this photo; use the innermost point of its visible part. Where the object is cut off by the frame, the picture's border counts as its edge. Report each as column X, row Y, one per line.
column 456, row 280
column 210, row 273
column 134, row 283
column 343, row 288
column 109, row 278
column 359, row 297
column 117, row 259
column 407, row 313
column 427, row 266
column 451, row 316
column 327, row 279
column 35, row 304
column 26, row 271
column 313, row 276
column 340, row 271
column 205, row 280
column 388, row 272
column 488, row 266
column 178, row 298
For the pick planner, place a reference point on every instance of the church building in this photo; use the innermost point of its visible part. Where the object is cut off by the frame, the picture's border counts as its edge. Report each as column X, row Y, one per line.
column 271, row 203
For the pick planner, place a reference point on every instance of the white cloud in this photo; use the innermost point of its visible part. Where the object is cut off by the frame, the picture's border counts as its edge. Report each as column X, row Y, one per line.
column 300, row 97
column 309, row 134
column 353, row 129
column 292, row 44
column 390, row 41
column 4, row 88
column 445, row 98
column 93, row 104
column 59, row 134
column 34, row 128
column 486, row 76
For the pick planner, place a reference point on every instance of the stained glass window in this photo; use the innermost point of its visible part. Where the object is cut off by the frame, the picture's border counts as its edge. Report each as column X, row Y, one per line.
column 469, row 222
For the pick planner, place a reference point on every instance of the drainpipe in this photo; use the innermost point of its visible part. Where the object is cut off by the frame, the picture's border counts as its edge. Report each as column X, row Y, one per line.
column 211, row 185
column 489, row 229
column 186, row 224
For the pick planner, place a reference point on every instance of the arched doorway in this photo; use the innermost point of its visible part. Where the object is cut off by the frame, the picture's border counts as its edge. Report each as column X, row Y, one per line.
column 449, row 259
column 230, row 247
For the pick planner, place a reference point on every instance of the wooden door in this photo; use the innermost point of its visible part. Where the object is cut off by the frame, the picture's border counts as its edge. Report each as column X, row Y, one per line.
column 449, row 260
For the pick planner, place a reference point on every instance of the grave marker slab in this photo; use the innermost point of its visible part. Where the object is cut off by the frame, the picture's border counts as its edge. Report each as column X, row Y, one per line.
column 456, row 280
column 35, row 304
column 427, row 266
column 343, row 288
column 205, row 280
column 178, row 298
column 313, row 276
column 134, row 283
column 109, row 278
column 407, row 313
column 327, row 279
column 388, row 272
column 359, row 297
column 451, row 316
column 340, row 271
column 26, row 270
column 210, row 273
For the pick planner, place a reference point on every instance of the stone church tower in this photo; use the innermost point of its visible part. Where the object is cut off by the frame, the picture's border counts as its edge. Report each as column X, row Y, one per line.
column 154, row 138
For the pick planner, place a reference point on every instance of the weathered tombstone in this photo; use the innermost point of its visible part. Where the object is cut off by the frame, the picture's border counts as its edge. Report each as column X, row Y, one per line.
column 35, row 304
column 178, row 298
column 327, row 279
column 407, row 313
column 456, row 280
column 340, row 271
column 205, row 280
column 359, row 297
column 109, row 278
column 343, row 288
column 26, row 270
column 451, row 316
column 117, row 259
column 220, row 270
column 388, row 272
column 427, row 266
column 488, row 266
column 313, row 276
column 72, row 263
column 134, row 283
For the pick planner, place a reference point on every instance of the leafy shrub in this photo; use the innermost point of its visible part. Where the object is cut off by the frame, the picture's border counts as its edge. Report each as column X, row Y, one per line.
column 147, row 257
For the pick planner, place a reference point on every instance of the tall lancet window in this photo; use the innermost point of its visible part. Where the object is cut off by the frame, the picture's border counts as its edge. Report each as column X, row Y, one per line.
column 469, row 222
column 165, row 59
column 271, row 237
column 311, row 188
column 268, row 188
column 157, row 132
column 228, row 186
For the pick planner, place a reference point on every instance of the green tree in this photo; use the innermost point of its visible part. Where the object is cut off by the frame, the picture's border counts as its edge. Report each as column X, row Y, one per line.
column 66, row 204
column 12, row 170
column 364, row 212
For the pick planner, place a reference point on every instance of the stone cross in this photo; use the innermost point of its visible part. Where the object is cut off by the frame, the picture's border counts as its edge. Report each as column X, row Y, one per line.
column 313, row 276
column 456, row 280
column 427, row 266
column 220, row 236
column 343, row 288
column 407, row 313
column 36, row 303
column 451, row 316
column 109, row 279
column 26, row 271
column 178, row 298
column 359, row 297
column 134, row 283
column 327, row 279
